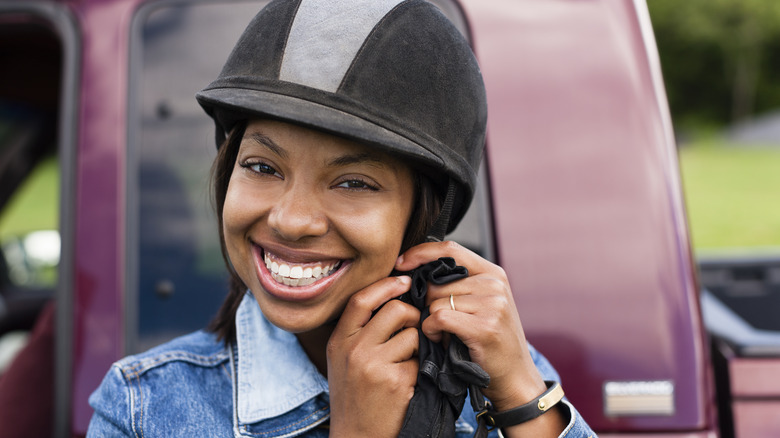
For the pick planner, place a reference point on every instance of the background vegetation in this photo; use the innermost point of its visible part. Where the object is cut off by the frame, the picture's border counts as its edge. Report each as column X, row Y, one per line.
column 720, row 61
column 720, row 58
column 35, row 204
column 732, row 195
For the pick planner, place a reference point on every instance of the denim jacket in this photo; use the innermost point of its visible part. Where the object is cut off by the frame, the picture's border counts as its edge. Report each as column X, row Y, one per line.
column 263, row 385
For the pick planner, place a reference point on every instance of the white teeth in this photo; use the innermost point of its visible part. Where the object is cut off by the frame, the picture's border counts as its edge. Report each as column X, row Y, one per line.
column 306, row 281
column 297, row 275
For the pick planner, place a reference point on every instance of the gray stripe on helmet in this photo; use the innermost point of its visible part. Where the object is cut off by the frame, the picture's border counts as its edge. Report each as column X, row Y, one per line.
column 325, row 37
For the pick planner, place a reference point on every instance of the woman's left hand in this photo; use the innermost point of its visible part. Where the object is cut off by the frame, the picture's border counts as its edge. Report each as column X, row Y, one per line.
column 485, row 319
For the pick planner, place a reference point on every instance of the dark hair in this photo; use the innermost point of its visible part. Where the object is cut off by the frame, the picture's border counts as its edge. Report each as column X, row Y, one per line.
column 425, row 210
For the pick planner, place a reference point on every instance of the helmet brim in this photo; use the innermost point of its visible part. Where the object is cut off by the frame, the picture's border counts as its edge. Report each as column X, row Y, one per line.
column 229, row 105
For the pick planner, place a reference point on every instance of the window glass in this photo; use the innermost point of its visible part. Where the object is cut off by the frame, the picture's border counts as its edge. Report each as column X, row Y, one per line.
column 31, row 54
column 176, row 276
column 29, row 238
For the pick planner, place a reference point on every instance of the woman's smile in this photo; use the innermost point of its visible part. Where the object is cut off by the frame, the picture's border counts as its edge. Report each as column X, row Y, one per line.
column 311, row 218
column 296, row 274
column 296, row 280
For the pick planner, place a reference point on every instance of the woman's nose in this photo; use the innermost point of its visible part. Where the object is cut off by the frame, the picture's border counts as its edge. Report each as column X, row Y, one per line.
column 298, row 214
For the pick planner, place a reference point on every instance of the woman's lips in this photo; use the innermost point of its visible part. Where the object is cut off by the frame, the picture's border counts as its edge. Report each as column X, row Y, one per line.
column 295, row 281
column 298, row 274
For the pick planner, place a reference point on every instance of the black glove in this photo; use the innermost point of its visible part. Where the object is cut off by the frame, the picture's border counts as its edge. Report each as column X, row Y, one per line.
column 444, row 376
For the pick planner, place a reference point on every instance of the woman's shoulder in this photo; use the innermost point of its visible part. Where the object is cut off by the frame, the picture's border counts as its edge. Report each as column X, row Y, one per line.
column 200, row 348
column 166, row 390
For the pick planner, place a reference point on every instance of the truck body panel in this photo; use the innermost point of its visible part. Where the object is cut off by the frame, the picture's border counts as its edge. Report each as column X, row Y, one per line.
column 590, row 223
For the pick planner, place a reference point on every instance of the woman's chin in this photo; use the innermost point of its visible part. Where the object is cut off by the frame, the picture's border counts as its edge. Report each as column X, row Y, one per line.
column 304, row 327
column 296, row 319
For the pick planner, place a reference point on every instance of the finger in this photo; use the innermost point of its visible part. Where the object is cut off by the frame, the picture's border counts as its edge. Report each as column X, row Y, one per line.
column 448, row 321
column 426, row 252
column 477, row 284
column 403, row 346
column 394, row 315
column 362, row 304
column 474, row 316
column 408, row 369
column 462, row 303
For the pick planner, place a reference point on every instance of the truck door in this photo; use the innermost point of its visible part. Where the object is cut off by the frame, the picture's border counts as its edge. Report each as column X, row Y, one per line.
column 37, row 114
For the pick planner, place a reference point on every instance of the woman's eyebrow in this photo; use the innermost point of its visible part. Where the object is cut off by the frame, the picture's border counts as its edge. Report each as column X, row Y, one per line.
column 359, row 158
column 267, row 142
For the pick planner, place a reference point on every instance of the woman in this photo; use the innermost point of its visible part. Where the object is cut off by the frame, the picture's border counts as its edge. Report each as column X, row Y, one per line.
column 349, row 135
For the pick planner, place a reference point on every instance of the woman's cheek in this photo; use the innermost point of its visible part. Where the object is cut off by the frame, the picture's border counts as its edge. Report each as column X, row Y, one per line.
column 239, row 213
column 243, row 206
column 379, row 231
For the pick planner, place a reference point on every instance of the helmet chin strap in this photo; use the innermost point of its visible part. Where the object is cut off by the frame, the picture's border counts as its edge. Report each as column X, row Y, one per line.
column 439, row 228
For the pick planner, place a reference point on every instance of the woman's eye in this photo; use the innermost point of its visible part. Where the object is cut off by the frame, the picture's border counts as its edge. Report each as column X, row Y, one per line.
column 356, row 184
column 261, row 168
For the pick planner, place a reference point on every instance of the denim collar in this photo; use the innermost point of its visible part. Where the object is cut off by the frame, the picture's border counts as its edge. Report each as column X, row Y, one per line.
column 274, row 374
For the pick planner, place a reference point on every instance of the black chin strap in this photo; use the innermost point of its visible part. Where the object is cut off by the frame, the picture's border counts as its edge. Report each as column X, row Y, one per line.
column 439, row 228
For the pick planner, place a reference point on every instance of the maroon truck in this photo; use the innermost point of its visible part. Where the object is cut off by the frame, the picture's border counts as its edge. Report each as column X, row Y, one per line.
column 580, row 201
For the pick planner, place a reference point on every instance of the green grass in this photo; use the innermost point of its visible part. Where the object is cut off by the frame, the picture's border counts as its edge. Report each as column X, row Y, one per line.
column 35, row 204
column 732, row 194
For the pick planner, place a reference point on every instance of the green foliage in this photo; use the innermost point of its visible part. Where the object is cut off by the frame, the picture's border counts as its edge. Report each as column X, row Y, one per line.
column 34, row 206
column 718, row 57
column 731, row 194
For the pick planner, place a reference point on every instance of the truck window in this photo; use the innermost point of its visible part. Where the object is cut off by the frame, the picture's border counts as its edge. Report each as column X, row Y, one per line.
column 37, row 143
column 31, row 56
column 176, row 277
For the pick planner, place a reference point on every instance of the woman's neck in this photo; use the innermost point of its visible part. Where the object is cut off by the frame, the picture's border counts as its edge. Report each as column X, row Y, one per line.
column 315, row 344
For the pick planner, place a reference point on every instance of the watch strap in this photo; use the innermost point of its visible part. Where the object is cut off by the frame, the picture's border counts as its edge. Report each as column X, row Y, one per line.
column 536, row 407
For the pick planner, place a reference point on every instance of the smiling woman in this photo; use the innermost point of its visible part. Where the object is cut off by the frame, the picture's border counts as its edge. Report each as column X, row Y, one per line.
column 340, row 168
column 306, row 200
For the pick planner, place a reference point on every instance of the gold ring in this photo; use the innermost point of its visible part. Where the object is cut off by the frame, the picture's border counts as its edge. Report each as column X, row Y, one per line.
column 452, row 302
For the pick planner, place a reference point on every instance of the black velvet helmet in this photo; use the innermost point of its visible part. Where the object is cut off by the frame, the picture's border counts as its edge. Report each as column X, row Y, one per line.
column 392, row 74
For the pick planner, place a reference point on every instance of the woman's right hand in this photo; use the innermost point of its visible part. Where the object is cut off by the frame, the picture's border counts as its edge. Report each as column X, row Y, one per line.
column 372, row 361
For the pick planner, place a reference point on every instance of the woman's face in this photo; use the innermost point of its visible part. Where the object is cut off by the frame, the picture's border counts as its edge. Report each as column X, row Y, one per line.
column 310, row 218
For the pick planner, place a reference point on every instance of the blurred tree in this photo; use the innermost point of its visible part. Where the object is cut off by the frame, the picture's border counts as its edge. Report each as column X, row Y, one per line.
column 717, row 57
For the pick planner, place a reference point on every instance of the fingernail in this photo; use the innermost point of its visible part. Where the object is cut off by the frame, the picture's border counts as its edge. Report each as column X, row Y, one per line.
column 405, row 279
column 399, row 260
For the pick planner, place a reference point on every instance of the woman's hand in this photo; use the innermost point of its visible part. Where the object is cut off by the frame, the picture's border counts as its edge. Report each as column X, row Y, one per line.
column 485, row 318
column 372, row 361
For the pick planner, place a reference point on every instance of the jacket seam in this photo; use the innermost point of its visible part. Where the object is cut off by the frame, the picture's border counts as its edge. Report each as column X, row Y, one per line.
column 145, row 365
column 136, row 423
column 290, row 426
column 141, row 398
column 232, row 353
